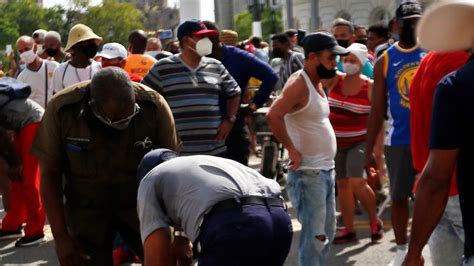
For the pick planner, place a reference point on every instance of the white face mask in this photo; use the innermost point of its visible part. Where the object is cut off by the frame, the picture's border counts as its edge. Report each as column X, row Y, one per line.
column 28, row 57
column 203, row 47
column 39, row 49
column 351, row 69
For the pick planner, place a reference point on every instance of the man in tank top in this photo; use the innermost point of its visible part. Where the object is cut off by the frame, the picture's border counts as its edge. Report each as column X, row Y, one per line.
column 299, row 119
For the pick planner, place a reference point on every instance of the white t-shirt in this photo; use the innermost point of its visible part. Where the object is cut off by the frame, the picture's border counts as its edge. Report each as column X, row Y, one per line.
column 67, row 75
column 37, row 81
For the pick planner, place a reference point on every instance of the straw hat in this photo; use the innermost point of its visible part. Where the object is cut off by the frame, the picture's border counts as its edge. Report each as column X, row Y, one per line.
column 80, row 33
column 229, row 37
column 447, row 26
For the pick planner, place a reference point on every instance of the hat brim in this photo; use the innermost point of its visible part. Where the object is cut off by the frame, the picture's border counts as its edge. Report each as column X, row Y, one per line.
column 205, row 32
column 411, row 16
column 92, row 36
column 339, row 50
column 107, row 56
column 451, row 23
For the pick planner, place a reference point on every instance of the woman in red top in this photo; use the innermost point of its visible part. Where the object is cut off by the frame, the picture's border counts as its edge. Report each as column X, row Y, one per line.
column 349, row 101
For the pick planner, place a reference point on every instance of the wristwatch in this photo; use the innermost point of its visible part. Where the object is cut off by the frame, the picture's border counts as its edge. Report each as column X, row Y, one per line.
column 231, row 118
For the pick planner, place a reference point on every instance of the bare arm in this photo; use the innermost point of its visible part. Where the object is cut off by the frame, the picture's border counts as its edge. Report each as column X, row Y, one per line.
column 431, row 199
column 376, row 116
column 157, row 247
column 289, row 101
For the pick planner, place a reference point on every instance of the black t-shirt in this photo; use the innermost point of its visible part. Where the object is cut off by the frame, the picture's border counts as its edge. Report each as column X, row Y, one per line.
column 452, row 122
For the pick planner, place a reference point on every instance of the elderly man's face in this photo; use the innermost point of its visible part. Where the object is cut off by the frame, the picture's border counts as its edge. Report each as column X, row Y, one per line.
column 51, row 43
column 24, row 45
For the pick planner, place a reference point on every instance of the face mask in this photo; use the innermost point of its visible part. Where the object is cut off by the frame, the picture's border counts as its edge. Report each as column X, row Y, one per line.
column 362, row 41
column 90, row 50
column 152, row 53
column 351, row 69
column 39, row 49
column 407, row 34
column 277, row 53
column 203, row 47
column 51, row 52
column 343, row 43
column 118, row 125
column 28, row 57
column 325, row 73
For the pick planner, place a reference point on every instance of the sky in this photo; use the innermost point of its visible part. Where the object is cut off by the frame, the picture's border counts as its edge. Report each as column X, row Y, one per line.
column 206, row 10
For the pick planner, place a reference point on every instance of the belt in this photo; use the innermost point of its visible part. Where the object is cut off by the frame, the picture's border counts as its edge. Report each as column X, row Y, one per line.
column 237, row 202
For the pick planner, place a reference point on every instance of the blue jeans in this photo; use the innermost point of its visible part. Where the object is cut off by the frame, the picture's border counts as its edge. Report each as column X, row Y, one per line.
column 252, row 235
column 447, row 241
column 312, row 194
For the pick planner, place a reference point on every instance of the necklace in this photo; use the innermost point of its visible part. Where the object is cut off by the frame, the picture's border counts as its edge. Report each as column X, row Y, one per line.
column 77, row 73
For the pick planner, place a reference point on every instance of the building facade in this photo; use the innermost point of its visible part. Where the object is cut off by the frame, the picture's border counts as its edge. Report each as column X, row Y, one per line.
column 360, row 12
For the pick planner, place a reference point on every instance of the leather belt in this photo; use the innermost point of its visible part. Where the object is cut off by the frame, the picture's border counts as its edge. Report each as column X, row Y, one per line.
column 237, row 202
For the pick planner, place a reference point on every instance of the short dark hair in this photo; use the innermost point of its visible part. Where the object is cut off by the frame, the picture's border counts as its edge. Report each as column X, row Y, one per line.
column 343, row 22
column 112, row 84
column 256, row 41
column 138, row 39
column 380, row 29
column 281, row 37
column 291, row 32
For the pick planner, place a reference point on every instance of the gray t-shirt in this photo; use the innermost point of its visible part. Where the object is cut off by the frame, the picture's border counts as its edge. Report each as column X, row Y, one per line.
column 19, row 113
column 181, row 191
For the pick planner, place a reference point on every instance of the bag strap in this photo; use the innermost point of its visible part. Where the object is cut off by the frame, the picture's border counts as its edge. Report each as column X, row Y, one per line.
column 46, row 84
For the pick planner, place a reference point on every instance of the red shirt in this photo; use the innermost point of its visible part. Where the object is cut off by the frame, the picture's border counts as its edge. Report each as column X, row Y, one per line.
column 349, row 114
column 431, row 70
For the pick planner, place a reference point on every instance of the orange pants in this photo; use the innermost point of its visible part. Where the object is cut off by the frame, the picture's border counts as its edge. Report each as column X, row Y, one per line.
column 25, row 198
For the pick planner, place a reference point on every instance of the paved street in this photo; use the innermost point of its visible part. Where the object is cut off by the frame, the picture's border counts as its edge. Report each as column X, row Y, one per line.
column 361, row 253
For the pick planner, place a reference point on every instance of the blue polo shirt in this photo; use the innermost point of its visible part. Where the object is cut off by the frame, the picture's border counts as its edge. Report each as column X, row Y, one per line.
column 243, row 65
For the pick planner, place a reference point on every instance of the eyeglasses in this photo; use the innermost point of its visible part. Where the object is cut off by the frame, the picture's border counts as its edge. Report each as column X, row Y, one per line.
column 107, row 120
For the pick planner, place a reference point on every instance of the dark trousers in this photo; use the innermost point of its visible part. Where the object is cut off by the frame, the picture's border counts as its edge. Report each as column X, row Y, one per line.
column 248, row 235
column 95, row 231
column 238, row 144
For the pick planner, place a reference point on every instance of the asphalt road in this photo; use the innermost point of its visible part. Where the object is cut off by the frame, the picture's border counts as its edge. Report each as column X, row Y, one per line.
column 361, row 253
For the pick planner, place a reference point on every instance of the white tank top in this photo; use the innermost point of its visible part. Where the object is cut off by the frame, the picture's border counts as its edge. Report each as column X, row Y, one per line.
column 311, row 132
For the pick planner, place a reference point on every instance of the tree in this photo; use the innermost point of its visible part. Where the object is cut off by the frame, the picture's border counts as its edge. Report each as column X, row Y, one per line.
column 113, row 21
column 271, row 23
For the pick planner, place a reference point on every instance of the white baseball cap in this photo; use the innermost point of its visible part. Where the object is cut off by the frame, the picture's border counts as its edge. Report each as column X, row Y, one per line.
column 113, row 50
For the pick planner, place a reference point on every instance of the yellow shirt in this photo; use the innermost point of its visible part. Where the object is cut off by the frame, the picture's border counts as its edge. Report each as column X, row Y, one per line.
column 139, row 64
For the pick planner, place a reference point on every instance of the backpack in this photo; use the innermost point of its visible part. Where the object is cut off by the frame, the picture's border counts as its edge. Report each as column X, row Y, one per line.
column 12, row 89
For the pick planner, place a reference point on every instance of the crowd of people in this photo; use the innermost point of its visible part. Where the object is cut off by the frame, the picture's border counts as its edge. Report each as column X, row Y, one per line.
column 141, row 153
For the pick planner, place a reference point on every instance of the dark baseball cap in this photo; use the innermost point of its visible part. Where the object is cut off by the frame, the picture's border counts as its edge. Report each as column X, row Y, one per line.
column 152, row 159
column 193, row 27
column 408, row 9
column 319, row 41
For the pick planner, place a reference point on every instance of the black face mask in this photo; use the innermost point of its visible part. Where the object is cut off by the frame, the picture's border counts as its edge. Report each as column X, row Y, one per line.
column 362, row 41
column 90, row 50
column 325, row 73
column 343, row 43
column 277, row 52
column 52, row 52
column 407, row 35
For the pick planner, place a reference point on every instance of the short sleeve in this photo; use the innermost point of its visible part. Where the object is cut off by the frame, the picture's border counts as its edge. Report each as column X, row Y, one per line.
column 150, row 212
column 445, row 120
column 47, row 144
column 229, row 85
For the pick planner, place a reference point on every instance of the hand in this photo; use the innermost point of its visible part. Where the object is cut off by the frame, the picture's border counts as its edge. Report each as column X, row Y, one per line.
column 371, row 165
column 295, row 160
column 182, row 250
column 69, row 252
column 413, row 260
column 224, row 130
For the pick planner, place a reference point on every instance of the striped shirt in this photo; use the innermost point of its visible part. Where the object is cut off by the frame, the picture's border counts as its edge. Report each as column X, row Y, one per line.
column 193, row 95
column 294, row 63
column 349, row 115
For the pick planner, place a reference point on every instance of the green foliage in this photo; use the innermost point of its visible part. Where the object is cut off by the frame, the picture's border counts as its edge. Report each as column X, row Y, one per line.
column 113, row 21
column 271, row 23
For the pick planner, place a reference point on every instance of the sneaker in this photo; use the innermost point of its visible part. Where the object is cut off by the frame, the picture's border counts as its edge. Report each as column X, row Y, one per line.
column 5, row 234
column 27, row 241
column 345, row 236
column 399, row 258
column 376, row 231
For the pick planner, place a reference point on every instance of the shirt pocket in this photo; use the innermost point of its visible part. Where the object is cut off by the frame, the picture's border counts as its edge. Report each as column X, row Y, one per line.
column 81, row 159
